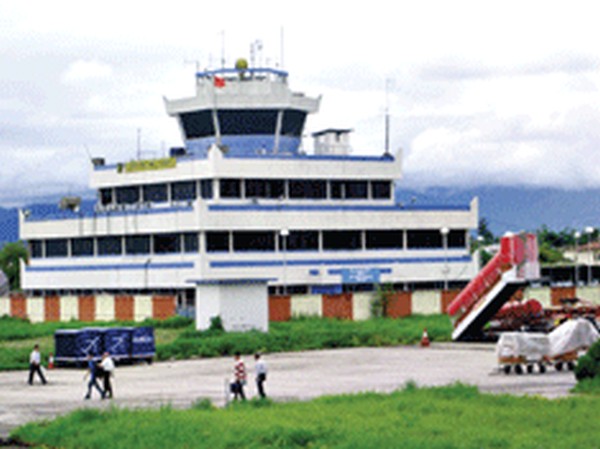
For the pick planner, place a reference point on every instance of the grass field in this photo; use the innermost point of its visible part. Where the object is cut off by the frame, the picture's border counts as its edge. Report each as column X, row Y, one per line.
column 177, row 338
column 448, row 417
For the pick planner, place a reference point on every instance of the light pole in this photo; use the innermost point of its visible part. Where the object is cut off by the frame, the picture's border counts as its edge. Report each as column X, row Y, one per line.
column 284, row 235
column 589, row 231
column 577, row 236
column 445, row 231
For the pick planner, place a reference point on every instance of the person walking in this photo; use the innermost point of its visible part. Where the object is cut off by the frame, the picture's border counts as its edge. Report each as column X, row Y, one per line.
column 239, row 374
column 35, row 365
column 260, row 368
column 93, row 373
column 108, row 367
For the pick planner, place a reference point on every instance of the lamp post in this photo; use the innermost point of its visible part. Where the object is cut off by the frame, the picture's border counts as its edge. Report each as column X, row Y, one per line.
column 589, row 231
column 445, row 231
column 284, row 235
column 577, row 236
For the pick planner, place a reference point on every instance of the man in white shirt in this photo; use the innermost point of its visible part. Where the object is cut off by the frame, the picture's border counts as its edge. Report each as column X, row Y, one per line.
column 108, row 367
column 260, row 368
column 35, row 363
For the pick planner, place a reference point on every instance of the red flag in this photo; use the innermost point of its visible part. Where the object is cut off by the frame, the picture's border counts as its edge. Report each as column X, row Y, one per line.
column 219, row 82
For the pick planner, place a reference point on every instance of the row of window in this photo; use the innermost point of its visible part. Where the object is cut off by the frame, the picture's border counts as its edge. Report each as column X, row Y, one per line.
column 225, row 241
column 248, row 188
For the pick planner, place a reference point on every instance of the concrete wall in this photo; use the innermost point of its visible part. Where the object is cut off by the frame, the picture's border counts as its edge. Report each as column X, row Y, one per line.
column 240, row 306
column 214, row 301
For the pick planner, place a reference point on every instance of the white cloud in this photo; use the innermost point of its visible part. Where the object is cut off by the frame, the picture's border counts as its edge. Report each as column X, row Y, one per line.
column 482, row 93
column 84, row 71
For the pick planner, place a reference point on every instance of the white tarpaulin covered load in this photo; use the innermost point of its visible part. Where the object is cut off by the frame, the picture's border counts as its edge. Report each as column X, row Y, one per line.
column 531, row 346
column 571, row 336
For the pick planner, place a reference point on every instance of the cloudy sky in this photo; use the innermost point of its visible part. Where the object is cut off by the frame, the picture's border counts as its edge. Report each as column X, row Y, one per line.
column 478, row 94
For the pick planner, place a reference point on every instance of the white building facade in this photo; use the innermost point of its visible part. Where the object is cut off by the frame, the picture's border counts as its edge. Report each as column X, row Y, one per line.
column 242, row 201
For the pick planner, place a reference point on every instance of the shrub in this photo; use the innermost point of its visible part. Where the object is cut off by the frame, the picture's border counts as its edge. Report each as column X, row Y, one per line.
column 588, row 366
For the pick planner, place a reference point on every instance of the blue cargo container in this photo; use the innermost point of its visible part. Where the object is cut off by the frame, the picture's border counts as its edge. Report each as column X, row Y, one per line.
column 142, row 343
column 117, row 342
column 124, row 344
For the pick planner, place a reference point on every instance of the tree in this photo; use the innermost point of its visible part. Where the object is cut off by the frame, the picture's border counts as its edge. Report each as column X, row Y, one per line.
column 485, row 233
column 10, row 256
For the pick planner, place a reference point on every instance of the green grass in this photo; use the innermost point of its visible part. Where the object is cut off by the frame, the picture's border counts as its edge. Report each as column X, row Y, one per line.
column 176, row 338
column 17, row 336
column 306, row 334
column 449, row 417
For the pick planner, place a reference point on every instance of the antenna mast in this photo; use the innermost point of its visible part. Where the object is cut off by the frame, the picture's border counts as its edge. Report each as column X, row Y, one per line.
column 387, row 115
column 281, row 46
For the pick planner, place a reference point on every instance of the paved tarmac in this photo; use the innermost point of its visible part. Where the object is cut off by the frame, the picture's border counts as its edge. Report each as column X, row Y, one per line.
column 292, row 376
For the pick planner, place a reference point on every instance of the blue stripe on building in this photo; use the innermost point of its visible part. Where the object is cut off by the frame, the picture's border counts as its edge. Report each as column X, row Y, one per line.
column 378, row 261
column 134, row 266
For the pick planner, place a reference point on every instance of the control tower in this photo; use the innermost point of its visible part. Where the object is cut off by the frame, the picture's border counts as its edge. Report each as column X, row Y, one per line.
column 245, row 111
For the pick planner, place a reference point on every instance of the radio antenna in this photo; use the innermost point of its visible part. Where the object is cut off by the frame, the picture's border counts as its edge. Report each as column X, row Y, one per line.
column 281, row 47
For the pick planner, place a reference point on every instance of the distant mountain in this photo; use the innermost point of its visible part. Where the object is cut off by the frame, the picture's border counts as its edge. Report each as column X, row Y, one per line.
column 9, row 225
column 518, row 208
column 504, row 208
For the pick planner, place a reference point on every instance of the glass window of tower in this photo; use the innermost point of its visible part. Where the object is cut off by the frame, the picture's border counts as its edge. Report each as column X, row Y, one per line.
column 342, row 240
column 155, row 193
column 190, row 242
column 381, row 189
column 217, row 241
column 254, row 241
column 56, row 248
column 206, row 188
column 357, row 189
column 106, row 196
column 128, row 195
column 35, row 248
column 384, row 239
column 183, row 191
column 230, row 188
column 82, row 247
column 314, row 189
column 424, row 239
column 110, row 246
column 300, row 241
column 167, row 243
column 137, row 244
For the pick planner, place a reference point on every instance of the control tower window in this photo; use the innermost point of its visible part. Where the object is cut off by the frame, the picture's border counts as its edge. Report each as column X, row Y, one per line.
column 217, row 241
column 183, row 191
column 384, row 239
column 106, row 196
column 457, row 239
column 82, row 247
column 293, row 123
column 128, row 195
column 357, row 189
column 381, row 190
column 247, row 121
column 167, row 243
column 155, row 193
column 110, row 246
column 424, row 239
column 190, row 242
column 342, row 240
column 314, row 189
column 254, row 241
column 35, row 249
column 206, row 188
column 300, row 241
column 198, row 124
column 56, row 248
column 230, row 188
column 137, row 244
